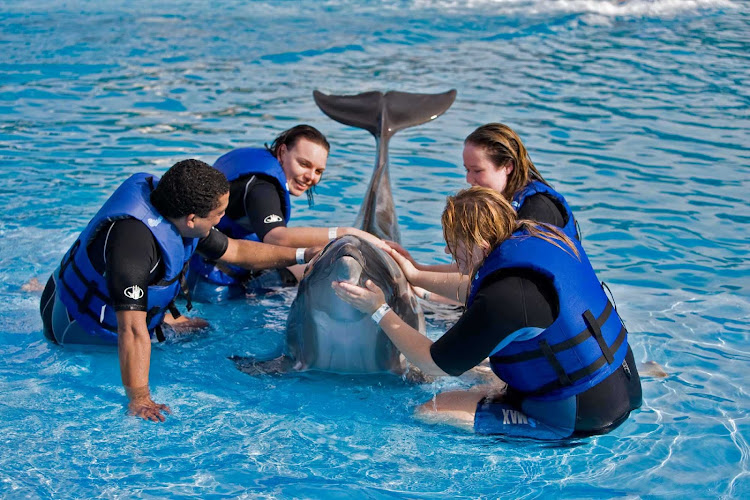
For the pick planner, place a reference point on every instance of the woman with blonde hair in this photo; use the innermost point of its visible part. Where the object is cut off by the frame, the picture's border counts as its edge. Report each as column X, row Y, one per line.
column 535, row 308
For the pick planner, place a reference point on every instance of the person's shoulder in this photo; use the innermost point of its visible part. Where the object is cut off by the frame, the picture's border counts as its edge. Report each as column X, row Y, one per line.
column 132, row 230
column 542, row 207
column 131, row 225
column 539, row 200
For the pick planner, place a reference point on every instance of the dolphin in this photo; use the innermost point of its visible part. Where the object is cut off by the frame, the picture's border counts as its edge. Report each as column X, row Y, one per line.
column 323, row 332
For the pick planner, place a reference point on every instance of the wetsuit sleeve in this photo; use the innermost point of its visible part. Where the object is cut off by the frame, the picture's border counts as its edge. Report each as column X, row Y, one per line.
column 131, row 257
column 214, row 245
column 512, row 300
column 542, row 208
column 263, row 206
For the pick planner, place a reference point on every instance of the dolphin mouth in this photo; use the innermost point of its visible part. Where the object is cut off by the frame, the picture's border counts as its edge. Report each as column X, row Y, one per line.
column 349, row 265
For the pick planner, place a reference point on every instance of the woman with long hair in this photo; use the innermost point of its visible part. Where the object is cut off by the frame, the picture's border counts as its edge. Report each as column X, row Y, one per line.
column 495, row 157
column 535, row 307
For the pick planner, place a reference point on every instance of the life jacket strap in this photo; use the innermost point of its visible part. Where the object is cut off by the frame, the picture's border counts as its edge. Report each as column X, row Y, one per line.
column 173, row 309
column 562, row 377
column 185, row 289
column 66, row 261
column 91, row 288
column 159, row 332
column 559, row 347
column 583, row 372
column 596, row 332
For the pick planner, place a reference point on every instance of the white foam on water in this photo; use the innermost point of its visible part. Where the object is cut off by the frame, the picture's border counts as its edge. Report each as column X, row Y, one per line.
column 611, row 8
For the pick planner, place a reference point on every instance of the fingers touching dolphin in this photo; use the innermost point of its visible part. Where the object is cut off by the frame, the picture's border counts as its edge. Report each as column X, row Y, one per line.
column 324, row 332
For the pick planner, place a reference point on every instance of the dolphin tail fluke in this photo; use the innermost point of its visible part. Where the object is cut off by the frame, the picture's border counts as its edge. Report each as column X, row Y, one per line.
column 384, row 114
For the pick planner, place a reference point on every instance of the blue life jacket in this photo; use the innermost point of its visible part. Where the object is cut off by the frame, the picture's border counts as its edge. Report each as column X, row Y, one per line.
column 84, row 291
column 538, row 187
column 586, row 342
column 235, row 164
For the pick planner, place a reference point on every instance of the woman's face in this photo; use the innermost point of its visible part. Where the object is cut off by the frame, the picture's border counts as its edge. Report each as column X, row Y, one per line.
column 467, row 260
column 303, row 164
column 480, row 171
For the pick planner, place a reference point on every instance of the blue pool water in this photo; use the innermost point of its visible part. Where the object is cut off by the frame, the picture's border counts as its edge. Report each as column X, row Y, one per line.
column 637, row 111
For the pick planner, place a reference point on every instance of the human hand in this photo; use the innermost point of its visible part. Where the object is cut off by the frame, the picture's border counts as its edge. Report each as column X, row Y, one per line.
column 402, row 251
column 406, row 265
column 311, row 252
column 371, row 238
column 366, row 300
column 185, row 324
column 141, row 405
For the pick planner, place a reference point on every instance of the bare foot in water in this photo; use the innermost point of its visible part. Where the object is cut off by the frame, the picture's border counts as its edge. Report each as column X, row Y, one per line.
column 33, row 285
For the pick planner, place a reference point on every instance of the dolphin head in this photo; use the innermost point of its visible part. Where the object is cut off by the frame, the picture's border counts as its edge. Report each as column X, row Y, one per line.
column 326, row 333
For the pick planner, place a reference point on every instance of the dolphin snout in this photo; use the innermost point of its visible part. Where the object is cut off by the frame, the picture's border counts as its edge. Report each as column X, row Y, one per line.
column 348, row 269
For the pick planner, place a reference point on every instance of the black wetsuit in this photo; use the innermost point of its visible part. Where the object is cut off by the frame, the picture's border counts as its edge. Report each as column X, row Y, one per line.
column 256, row 197
column 512, row 299
column 127, row 254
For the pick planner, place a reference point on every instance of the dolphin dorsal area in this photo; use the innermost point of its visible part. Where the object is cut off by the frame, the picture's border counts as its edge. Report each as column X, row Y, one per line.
column 382, row 115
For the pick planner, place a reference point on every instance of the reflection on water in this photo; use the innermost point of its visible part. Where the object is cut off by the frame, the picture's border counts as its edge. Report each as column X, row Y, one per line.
column 635, row 110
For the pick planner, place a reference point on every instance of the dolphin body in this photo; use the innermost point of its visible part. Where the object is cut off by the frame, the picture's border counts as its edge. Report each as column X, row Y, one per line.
column 324, row 332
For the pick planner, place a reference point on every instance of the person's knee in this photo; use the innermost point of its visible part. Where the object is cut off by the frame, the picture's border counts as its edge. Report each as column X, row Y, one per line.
column 452, row 402
column 456, row 408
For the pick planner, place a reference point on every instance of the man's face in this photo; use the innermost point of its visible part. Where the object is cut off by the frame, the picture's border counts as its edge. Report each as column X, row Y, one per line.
column 199, row 227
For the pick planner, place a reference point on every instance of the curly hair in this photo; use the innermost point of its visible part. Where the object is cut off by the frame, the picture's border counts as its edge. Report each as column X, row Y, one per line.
column 502, row 146
column 290, row 137
column 189, row 187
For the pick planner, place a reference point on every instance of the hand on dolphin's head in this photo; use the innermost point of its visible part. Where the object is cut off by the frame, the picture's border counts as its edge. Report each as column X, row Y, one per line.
column 371, row 238
column 367, row 300
column 311, row 252
column 406, row 264
column 402, row 251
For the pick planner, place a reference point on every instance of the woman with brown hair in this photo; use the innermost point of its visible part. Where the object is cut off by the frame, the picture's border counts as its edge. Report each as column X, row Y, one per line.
column 495, row 157
column 535, row 308
column 262, row 182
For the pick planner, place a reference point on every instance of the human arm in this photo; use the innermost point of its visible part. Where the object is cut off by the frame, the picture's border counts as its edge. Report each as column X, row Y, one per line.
column 134, row 351
column 411, row 343
column 131, row 261
column 514, row 303
column 510, row 304
column 263, row 206
column 315, row 236
column 254, row 255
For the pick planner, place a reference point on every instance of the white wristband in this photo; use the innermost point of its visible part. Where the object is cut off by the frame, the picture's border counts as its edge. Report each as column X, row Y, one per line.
column 382, row 311
column 301, row 255
column 332, row 233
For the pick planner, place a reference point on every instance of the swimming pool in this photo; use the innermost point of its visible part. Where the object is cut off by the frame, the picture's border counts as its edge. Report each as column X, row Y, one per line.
column 636, row 111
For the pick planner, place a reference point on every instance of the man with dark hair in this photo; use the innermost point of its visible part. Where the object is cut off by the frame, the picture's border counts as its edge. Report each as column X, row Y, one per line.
column 120, row 277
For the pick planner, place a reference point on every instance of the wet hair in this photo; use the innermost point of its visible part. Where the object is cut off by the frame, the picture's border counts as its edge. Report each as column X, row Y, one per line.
column 189, row 187
column 290, row 137
column 481, row 216
column 502, row 146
